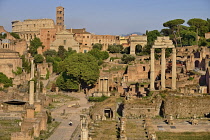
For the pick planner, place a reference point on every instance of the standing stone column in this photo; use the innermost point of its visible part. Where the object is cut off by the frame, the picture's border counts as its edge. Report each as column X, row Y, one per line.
column 152, row 69
column 32, row 68
column 163, row 67
column 174, row 68
column 31, row 93
column 84, row 127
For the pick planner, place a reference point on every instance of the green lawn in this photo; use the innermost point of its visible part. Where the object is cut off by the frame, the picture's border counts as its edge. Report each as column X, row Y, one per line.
column 183, row 136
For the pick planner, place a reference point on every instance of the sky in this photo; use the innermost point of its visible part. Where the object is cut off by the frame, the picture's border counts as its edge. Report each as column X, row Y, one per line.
column 114, row 17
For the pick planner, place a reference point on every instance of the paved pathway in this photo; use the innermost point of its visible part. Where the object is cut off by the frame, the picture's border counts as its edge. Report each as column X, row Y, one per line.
column 64, row 131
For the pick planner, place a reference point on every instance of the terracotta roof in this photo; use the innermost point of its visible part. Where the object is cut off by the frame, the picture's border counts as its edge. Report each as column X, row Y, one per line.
column 78, row 31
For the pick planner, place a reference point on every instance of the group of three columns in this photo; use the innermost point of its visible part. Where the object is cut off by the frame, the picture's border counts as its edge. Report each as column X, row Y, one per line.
column 163, row 69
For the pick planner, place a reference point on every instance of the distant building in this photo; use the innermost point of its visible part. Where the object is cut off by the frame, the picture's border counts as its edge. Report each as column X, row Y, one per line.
column 60, row 18
column 87, row 40
column 66, row 39
column 30, row 28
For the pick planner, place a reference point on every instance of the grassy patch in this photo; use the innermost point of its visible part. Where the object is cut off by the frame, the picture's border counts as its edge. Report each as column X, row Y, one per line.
column 8, row 127
column 183, row 136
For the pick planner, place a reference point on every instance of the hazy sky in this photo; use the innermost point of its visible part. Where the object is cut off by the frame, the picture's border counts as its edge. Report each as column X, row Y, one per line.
column 114, row 17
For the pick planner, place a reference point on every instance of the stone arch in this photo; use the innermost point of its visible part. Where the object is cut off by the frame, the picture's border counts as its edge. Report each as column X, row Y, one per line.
column 197, row 64
column 138, row 48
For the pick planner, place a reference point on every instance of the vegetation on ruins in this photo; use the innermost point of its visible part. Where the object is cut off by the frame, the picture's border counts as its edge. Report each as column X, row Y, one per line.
column 25, row 64
column 8, row 126
column 18, row 71
column 51, row 53
column 97, row 46
column 79, row 70
column 127, row 58
column 16, row 36
column 34, row 45
column 38, row 58
column 7, row 82
column 3, row 35
column 138, row 49
column 97, row 99
column 115, row 48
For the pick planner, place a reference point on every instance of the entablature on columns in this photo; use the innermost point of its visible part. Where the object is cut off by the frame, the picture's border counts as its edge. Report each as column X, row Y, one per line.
column 163, row 46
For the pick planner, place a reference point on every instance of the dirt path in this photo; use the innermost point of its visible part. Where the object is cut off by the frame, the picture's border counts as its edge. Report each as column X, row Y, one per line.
column 64, row 131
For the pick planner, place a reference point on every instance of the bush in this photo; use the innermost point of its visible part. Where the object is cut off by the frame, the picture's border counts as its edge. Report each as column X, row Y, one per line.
column 97, row 99
column 5, row 80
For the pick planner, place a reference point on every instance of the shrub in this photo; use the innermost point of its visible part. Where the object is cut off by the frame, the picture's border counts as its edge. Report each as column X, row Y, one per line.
column 97, row 99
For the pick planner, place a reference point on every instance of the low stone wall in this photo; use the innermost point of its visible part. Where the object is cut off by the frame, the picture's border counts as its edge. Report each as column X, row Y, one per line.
column 141, row 110
column 186, row 107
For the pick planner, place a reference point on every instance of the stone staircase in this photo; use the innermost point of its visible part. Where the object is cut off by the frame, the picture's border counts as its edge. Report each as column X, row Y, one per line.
column 135, row 129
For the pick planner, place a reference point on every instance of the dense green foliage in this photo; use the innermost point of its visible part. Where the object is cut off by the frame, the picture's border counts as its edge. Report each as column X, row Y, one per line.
column 78, row 70
column 16, row 36
column 25, row 64
column 115, row 48
column 97, row 46
column 138, row 49
column 34, row 45
column 50, row 53
column 127, row 58
column 98, row 54
column 18, row 71
column 56, row 57
column 152, row 36
column 38, row 58
column 5, row 80
column 97, row 99
column 174, row 26
column 61, row 52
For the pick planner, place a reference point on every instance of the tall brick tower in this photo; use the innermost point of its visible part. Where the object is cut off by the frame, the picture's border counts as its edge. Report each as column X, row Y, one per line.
column 60, row 18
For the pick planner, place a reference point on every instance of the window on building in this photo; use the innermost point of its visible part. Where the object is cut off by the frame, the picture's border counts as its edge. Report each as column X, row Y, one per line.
column 85, row 44
column 64, row 42
column 83, row 36
column 85, row 51
column 144, row 68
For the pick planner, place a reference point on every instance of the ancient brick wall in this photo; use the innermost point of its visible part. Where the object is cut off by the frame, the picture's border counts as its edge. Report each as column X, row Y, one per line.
column 186, row 106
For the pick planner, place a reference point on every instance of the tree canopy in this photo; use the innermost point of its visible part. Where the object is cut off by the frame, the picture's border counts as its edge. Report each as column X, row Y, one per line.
column 127, row 58
column 34, row 45
column 78, row 70
column 199, row 26
column 174, row 26
column 115, row 48
column 99, row 55
column 97, row 46
column 38, row 58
